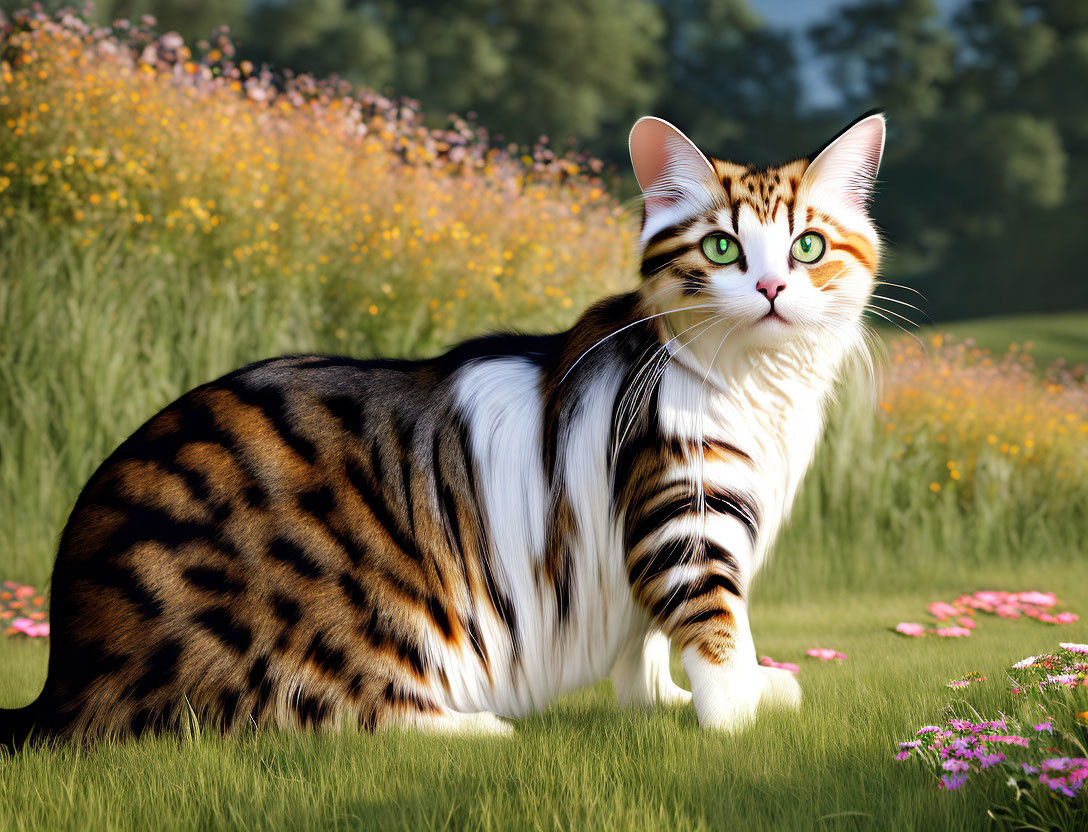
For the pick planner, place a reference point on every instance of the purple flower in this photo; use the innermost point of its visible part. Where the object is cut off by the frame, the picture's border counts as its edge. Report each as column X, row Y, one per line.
column 927, row 729
column 1029, row 769
column 953, row 781
column 960, row 724
column 955, row 765
column 903, row 755
column 910, row 744
column 987, row 760
column 1044, row 726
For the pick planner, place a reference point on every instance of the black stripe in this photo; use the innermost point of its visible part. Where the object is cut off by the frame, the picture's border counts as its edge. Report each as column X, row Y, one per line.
column 219, row 622
column 324, row 655
column 712, row 551
column 258, row 673
column 160, row 669
column 672, row 553
column 501, row 603
column 735, row 505
column 286, row 609
column 320, row 502
column 353, row 590
column 671, row 231
column 210, row 579
column 348, row 412
column 717, row 581
column 272, row 403
column 650, row 522
column 128, row 582
column 283, row 550
column 476, row 640
column 312, row 710
column 440, row 616
column 652, row 265
column 381, row 512
column 705, row 615
column 144, row 524
column 228, row 707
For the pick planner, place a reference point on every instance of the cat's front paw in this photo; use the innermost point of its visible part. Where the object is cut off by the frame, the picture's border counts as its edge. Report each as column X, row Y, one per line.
column 729, row 700
column 780, row 688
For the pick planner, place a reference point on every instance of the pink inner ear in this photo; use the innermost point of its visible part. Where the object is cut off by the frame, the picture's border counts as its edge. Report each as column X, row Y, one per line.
column 649, row 154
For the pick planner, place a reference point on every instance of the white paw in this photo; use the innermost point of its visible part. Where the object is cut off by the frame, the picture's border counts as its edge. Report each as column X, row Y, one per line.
column 731, row 704
column 780, row 688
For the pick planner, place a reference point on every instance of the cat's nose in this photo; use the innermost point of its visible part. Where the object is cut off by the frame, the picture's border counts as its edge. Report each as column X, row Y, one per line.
column 771, row 287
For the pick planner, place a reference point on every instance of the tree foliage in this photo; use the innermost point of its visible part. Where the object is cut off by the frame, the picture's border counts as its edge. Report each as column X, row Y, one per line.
column 986, row 175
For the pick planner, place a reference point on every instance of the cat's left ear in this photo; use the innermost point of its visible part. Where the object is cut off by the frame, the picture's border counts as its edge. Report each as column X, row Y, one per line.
column 845, row 170
column 676, row 178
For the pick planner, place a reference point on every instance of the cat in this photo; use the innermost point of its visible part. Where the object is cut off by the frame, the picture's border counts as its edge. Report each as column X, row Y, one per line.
column 452, row 542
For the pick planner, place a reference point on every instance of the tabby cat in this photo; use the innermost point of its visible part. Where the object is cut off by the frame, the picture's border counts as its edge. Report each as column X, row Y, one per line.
column 324, row 541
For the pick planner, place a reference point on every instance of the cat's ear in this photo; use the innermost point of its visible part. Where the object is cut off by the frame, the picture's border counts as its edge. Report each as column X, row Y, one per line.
column 672, row 172
column 845, row 170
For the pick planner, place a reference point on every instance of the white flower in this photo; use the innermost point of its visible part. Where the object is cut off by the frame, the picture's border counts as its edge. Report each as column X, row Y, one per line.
column 1028, row 662
column 1074, row 648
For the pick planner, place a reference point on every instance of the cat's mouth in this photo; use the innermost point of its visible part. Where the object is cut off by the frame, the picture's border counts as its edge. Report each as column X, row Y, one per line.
column 773, row 316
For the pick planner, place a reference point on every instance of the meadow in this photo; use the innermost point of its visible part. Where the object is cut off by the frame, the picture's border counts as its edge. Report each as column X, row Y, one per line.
column 166, row 216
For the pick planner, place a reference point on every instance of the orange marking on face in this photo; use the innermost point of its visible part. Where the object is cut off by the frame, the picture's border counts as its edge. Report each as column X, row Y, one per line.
column 857, row 247
column 824, row 273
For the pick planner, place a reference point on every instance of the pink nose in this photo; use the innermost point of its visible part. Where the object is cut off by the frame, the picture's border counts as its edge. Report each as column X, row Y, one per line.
column 771, row 287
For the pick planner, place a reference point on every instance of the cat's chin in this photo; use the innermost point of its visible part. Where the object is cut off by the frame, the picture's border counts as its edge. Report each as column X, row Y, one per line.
column 770, row 331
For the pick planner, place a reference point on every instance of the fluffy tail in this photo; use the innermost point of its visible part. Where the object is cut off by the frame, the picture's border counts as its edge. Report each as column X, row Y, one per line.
column 16, row 725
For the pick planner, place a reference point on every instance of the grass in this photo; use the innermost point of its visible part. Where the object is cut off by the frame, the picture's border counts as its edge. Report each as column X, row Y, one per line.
column 584, row 763
column 1052, row 337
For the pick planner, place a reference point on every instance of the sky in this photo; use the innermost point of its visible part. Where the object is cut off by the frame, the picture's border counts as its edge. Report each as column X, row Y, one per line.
column 796, row 16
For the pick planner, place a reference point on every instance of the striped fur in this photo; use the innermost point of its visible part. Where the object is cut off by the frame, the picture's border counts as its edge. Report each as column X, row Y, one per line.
column 316, row 541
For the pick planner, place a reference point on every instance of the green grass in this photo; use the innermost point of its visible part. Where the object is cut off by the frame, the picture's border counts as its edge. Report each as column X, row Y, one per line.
column 584, row 763
column 1053, row 337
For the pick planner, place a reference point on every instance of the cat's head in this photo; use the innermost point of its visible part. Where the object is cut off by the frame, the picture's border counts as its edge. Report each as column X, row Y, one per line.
column 779, row 253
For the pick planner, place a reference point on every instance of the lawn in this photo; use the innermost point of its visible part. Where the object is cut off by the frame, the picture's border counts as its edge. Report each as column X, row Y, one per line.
column 584, row 763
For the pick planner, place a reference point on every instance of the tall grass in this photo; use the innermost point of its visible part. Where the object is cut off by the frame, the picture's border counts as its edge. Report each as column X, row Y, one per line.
column 165, row 218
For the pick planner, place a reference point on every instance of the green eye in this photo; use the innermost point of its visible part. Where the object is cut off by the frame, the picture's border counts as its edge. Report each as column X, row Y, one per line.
column 721, row 249
column 808, row 248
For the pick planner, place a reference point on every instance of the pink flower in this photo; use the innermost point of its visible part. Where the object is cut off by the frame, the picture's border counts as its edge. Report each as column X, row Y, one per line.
column 767, row 661
column 1073, row 647
column 903, row 755
column 24, row 592
column 1069, row 618
column 1039, row 599
column 824, row 653
column 967, row 621
column 953, row 632
column 907, row 628
column 30, row 628
column 942, row 610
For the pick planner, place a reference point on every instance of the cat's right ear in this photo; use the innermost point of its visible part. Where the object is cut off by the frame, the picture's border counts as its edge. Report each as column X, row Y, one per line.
column 675, row 177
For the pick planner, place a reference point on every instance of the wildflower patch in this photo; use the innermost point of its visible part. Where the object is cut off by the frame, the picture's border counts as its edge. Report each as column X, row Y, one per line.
column 1036, row 745
column 23, row 611
column 958, row 618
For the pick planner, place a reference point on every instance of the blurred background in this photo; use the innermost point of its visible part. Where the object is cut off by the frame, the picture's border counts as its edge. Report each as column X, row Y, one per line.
column 988, row 146
column 388, row 177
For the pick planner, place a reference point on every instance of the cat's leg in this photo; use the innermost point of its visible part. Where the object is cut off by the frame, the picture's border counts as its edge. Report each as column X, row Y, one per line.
column 691, row 574
column 446, row 721
column 641, row 674
column 727, row 683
